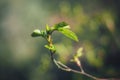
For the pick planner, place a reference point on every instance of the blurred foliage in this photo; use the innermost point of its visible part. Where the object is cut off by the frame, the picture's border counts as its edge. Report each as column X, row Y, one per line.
column 96, row 23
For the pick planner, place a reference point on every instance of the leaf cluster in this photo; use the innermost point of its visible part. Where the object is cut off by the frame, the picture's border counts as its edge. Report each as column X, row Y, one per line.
column 61, row 27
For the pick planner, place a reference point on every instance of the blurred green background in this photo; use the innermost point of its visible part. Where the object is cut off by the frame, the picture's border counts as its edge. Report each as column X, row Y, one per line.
column 96, row 23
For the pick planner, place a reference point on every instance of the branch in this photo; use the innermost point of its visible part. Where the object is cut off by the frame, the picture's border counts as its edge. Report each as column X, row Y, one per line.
column 68, row 69
column 65, row 67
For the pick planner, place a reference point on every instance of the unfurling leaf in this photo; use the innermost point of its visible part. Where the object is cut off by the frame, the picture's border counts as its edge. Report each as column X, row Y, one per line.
column 79, row 52
column 36, row 33
column 76, row 56
column 61, row 25
column 52, row 47
column 47, row 27
column 68, row 33
column 47, row 46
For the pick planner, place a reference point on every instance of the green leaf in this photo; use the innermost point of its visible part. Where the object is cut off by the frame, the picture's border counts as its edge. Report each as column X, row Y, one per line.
column 50, row 47
column 36, row 33
column 47, row 28
column 61, row 25
column 68, row 33
column 47, row 46
column 43, row 33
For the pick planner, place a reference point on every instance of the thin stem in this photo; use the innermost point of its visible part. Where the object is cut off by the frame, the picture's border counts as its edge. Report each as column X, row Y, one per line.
column 82, row 70
column 79, row 65
column 51, row 55
column 62, row 66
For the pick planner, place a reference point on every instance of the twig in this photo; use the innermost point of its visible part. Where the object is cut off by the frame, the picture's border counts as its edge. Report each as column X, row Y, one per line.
column 66, row 68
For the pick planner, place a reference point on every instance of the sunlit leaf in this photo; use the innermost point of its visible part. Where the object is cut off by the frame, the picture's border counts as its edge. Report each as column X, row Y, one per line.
column 68, row 33
column 47, row 27
column 47, row 46
column 36, row 33
column 61, row 25
column 50, row 47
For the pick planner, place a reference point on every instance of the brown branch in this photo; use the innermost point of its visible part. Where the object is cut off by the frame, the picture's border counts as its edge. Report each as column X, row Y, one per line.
column 68, row 69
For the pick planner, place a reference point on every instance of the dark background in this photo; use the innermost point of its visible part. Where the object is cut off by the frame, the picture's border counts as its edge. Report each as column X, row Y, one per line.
column 95, row 22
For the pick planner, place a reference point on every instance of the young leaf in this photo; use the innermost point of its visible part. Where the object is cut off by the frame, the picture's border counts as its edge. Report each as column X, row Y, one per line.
column 61, row 25
column 47, row 46
column 36, row 33
column 43, row 33
column 47, row 27
column 79, row 52
column 68, row 33
column 50, row 47
column 49, row 30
